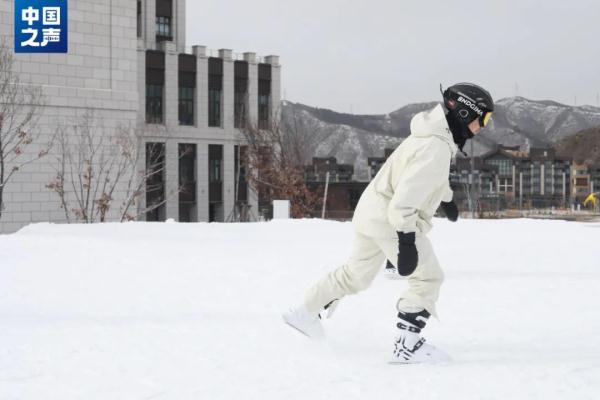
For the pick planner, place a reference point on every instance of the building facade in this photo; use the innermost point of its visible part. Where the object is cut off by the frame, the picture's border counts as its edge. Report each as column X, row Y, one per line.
column 375, row 163
column 127, row 63
column 317, row 171
column 343, row 192
column 509, row 178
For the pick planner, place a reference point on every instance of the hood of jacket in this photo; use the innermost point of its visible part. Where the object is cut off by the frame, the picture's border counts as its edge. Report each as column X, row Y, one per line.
column 433, row 123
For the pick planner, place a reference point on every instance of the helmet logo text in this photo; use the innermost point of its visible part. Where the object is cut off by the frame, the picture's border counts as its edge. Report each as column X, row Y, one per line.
column 471, row 105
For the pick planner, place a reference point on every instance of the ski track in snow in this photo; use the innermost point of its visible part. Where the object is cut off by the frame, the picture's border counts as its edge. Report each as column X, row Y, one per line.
column 192, row 311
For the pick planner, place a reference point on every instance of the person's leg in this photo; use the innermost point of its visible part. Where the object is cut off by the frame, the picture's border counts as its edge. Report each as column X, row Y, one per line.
column 424, row 283
column 356, row 275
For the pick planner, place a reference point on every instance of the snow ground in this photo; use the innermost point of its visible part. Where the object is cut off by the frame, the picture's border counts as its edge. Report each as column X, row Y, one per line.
column 192, row 311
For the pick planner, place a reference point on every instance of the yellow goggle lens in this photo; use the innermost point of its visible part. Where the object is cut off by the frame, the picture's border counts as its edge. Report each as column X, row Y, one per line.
column 486, row 118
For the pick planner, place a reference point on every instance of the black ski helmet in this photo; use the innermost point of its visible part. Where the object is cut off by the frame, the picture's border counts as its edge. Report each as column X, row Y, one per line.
column 465, row 103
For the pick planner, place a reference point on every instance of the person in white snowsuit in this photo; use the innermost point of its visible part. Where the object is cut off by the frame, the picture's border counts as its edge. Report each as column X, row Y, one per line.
column 394, row 215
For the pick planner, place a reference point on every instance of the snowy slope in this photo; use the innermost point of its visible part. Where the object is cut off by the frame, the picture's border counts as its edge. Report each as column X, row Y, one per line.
column 191, row 311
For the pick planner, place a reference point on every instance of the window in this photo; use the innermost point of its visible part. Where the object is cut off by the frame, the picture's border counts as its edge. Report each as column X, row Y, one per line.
column 215, row 185
column 155, row 182
column 241, row 186
column 154, row 104
column 215, row 88
column 504, row 165
column 240, row 93
column 187, row 183
column 155, row 80
column 240, row 110
column 214, row 108
column 505, row 185
column 263, row 111
column 164, row 19
column 186, row 105
column 264, row 92
column 139, row 18
column 187, row 85
column 214, row 170
column 163, row 27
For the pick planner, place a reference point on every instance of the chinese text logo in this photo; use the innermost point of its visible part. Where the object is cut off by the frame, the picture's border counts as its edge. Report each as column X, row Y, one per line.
column 41, row 26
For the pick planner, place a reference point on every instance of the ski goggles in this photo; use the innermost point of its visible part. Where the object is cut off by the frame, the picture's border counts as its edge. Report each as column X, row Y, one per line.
column 485, row 119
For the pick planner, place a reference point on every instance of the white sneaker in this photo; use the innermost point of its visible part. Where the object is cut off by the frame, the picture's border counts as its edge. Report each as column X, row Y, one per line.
column 305, row 322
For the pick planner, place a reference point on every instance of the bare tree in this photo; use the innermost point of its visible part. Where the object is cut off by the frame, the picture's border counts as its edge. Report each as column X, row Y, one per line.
column 299, row 137
column 95, row 164
column 20, row 105
column 276, row 168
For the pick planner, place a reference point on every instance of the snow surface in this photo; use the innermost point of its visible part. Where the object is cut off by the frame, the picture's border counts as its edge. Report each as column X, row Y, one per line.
column 192, row 311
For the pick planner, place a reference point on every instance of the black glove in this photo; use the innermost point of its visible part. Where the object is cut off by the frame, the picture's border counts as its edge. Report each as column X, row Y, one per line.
column 408, row 257
column 450, row 210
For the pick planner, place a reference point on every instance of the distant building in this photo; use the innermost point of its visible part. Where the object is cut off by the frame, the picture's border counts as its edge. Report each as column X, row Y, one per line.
column 317, row 171
column 485, row 183
column 582, row 182
column 129, row 63
column 508, row 177
column 544, row 179
column 375, row 163
column 594, row 170
column 342, row 193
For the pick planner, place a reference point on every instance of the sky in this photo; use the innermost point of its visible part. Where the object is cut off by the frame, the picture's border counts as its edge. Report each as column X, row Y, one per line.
column 373, row 57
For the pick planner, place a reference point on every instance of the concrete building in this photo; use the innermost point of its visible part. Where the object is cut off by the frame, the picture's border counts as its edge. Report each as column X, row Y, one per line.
column 582, row 182
column 375, row 163
column 127, row 63
column 508, row 177
column 317, row 171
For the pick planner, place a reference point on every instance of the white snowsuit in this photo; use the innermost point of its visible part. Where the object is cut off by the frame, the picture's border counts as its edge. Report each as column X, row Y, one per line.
column 402, row 197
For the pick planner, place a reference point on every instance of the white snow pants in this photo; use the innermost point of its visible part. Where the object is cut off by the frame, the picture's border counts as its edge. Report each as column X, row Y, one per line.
column 367, row 257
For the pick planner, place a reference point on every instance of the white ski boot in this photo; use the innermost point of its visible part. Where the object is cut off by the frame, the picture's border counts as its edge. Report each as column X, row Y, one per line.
column 409, row 346
column 309, row 323
column 305, row 322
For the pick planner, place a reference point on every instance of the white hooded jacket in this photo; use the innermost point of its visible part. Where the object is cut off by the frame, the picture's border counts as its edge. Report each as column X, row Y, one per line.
column 413, row 181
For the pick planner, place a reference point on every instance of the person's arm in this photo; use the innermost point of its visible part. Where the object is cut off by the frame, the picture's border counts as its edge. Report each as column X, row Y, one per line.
column 422, row 176
column 449, row 206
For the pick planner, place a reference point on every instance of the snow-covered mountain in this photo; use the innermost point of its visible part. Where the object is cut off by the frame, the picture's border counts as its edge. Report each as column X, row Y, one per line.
column 353, row 138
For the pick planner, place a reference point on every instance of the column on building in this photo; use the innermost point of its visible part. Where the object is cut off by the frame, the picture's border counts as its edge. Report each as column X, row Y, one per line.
column 228, row 180
column 252, row 115
column 150, row 23
column 171, row 105
column 172, row 179
column 179, row 25
column 553, row 172
column 275, row 99
column 202, row 181
column 171, row 122
column 514, row 180
column 542, row 178
column 141, row 84
column 520, row 189
column 252, row 87
column 228, row 88
column 201, row 86
column 531, row 180
column 564, row 188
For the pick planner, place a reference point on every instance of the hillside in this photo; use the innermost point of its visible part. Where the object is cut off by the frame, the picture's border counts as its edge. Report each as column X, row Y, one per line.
column 354, row 138
column 582, row 146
